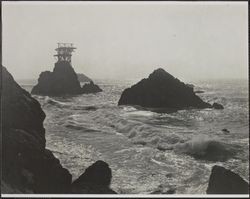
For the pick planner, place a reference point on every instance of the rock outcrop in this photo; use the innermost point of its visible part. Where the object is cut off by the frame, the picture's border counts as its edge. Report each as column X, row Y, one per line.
column 26, row 165
column 225, row 130
column 224, row 181
column 62, row 81
column 162, row 90
column 95, row 180
column 91, row 88
column 217, row 106
column 199, row 91
column 83, row 78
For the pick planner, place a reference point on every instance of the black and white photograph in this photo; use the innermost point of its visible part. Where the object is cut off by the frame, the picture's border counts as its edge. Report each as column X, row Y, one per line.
column 124, row 99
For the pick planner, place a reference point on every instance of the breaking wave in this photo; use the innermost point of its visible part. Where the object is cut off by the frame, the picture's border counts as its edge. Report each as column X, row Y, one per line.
column 54, row 102
column 203, row 147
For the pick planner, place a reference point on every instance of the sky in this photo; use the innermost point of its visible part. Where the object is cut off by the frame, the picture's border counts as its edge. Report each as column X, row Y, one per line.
column 126, row 40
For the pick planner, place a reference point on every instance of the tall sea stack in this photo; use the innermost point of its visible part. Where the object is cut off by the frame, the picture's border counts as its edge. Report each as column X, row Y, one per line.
column 63, row 80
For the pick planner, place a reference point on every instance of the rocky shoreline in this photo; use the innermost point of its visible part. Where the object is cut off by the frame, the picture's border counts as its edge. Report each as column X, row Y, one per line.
column 28, row 167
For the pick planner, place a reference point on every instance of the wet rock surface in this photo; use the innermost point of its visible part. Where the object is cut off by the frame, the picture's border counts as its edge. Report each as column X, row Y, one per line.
column 91, row 88
column 162, row 90
column 217, row 106
column 83, row 78
column 224, row 181
column 96, row 179
column 62, row 81
column 26, row 165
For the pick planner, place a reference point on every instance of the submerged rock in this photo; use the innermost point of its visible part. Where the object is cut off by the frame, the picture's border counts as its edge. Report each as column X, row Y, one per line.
column 217, row 106
column 26, row 165
column 62, row 81
column 95, row 180
column 91, row 88
column 162, row 90
column 225, row 130
column 83, row 78
column 224, row 181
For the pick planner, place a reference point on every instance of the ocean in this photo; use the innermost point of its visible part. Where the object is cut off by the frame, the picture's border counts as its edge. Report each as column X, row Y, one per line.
column 150, row 152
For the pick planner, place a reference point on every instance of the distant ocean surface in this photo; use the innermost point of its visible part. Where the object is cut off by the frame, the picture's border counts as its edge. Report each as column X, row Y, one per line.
column 150, row 152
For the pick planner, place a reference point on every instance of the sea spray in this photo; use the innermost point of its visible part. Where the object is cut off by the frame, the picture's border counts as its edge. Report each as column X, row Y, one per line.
column 204, row 147
column 195, row 146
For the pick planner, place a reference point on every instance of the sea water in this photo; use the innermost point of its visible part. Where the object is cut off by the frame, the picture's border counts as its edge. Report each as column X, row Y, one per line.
column 150, row 152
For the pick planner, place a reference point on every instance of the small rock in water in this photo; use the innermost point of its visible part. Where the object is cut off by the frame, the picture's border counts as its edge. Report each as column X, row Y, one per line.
column 161, row 148
column 169, row 175
column 171, row 191
column 225, row 131
column 217, row 106
column 164, row 148
column 161, row 190
column 140, row 142
column 91, row 88
column 156, row 192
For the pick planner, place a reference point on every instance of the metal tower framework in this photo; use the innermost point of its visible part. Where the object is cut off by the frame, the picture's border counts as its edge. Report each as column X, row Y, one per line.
column 64, row 51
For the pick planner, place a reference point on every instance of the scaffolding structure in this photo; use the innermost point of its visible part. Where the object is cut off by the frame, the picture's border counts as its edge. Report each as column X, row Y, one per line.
column 64, row 52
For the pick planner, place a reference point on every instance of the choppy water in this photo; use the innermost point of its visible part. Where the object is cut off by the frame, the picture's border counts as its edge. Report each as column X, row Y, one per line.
column 151, row 152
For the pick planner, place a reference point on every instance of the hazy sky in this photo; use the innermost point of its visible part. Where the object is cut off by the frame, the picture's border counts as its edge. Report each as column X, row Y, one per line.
column 128, row 39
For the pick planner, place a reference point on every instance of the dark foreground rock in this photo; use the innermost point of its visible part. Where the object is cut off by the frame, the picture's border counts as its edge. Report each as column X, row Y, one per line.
column 224, row 181
column 199, row 91
column 83, row 78
column 62, row 81
column 95, row 180
column 27, row 166
column 162, row 90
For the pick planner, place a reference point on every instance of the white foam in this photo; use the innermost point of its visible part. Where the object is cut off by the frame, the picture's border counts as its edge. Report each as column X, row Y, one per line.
column 197, row 145
column 140, row 113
